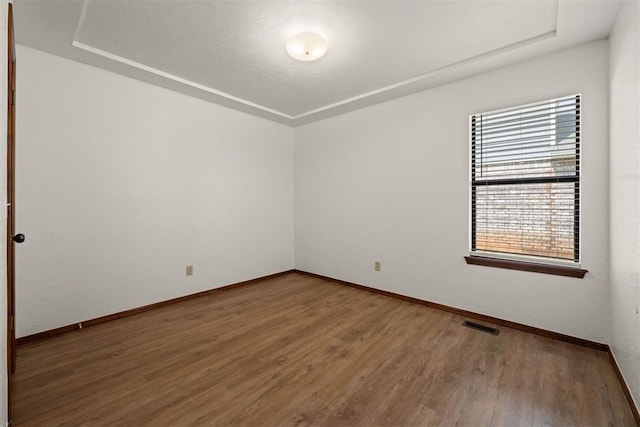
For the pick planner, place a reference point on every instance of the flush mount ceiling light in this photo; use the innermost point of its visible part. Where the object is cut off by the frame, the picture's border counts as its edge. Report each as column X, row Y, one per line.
column 306, row 46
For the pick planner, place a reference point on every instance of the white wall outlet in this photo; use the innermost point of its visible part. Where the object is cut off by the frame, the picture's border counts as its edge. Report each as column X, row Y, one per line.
column 376, row 266
column 189, row 270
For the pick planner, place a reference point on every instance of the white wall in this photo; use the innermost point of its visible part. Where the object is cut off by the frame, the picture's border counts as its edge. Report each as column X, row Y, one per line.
column 121, row 184
column 624, row 166
column 3, row 224
column 391, row 183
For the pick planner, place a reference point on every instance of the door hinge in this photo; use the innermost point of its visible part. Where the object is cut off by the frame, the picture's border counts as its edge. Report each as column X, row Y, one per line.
column 13, row 97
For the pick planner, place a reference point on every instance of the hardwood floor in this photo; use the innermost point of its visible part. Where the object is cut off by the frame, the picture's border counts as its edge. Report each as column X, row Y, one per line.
column 298, row 350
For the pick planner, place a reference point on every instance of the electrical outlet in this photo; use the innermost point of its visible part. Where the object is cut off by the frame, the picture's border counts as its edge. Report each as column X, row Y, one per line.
column 189, row 270
column 376, row 266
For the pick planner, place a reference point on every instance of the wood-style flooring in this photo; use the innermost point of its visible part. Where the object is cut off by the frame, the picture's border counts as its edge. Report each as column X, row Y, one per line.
column 299, row 350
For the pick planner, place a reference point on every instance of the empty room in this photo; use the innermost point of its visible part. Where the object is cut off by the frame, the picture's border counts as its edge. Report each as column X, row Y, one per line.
column 326, row 213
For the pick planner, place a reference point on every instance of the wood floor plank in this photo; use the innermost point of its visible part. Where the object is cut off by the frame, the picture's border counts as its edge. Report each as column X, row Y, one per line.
column 300, row 350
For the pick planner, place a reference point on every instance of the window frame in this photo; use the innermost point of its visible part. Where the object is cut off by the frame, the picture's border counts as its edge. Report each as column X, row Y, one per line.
column 525, row 262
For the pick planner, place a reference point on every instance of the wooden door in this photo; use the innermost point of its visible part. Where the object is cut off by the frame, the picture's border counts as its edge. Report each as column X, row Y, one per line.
column 11, row 123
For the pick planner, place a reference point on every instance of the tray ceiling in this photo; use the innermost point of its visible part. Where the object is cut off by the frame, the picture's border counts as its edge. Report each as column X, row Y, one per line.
column 233, row 52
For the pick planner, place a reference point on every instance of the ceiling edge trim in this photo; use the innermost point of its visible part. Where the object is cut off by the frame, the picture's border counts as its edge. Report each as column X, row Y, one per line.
column 175, row 78
column 433, row 72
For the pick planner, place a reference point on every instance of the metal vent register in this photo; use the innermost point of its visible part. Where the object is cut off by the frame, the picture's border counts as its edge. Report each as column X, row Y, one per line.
column 482, row 328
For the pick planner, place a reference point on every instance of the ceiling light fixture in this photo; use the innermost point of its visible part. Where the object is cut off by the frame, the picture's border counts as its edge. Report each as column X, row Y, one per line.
column 306, row 46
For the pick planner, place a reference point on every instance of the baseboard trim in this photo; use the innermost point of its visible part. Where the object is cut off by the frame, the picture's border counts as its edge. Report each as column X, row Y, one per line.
column 625, row 387
column 514, row 325
column 108, row 318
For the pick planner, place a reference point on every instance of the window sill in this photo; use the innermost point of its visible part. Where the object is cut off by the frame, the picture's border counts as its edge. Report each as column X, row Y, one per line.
column 526, row 266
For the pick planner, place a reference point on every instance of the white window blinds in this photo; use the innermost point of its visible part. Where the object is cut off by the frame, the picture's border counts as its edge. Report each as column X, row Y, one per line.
column 525, row 180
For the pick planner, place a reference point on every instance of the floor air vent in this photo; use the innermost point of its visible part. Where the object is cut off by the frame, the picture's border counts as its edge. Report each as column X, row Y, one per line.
column 482, row 328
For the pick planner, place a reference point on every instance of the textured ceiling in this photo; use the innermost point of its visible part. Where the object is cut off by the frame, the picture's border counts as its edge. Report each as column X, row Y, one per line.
column 233, row 52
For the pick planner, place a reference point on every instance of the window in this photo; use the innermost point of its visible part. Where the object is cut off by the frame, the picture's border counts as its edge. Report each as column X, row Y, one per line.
column 525, row 182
